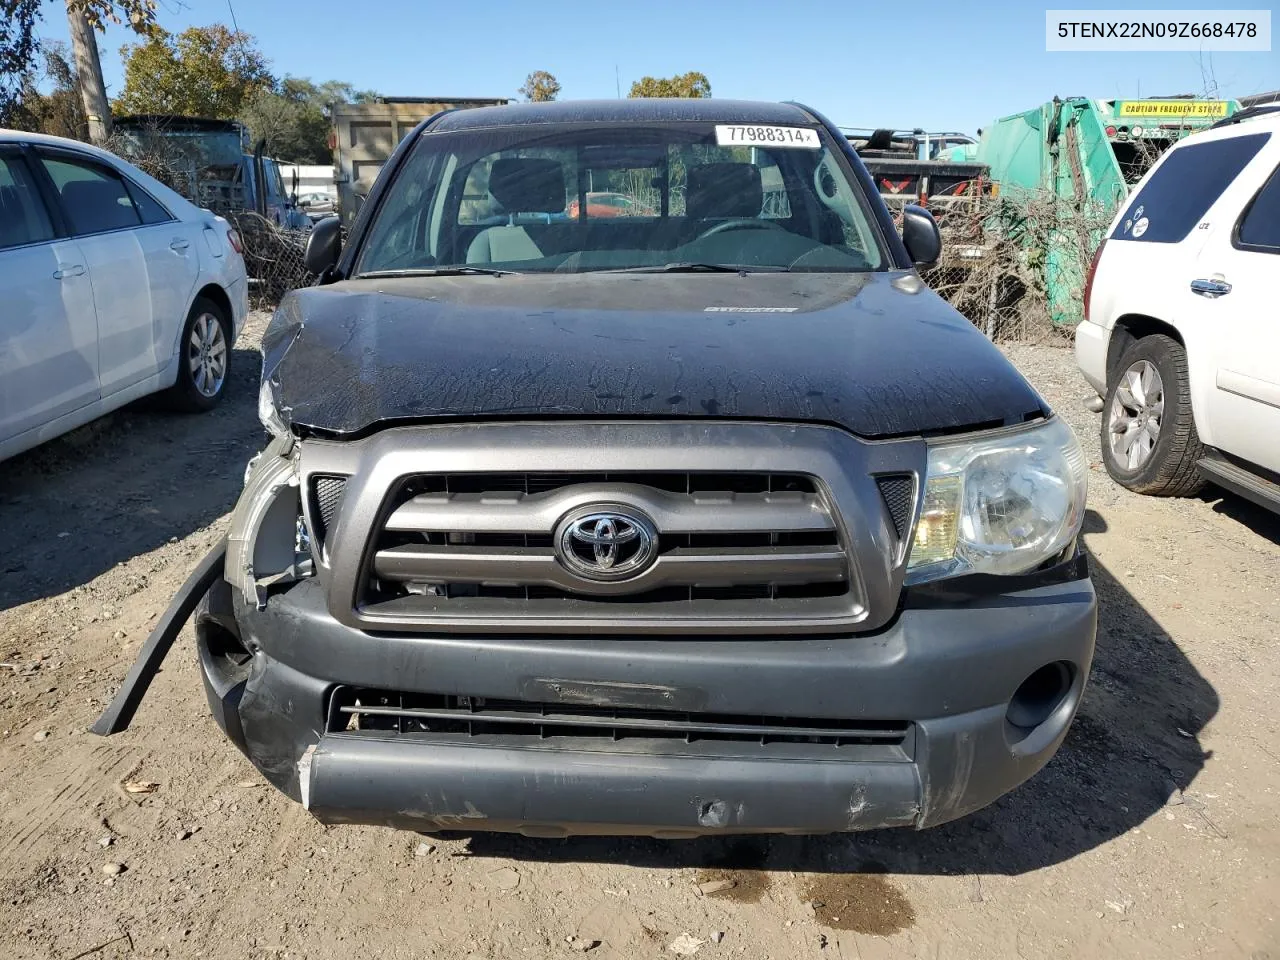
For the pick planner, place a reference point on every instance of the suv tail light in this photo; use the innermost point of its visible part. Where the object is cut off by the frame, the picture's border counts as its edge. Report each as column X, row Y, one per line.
column 234, row 239
column 1088, row 280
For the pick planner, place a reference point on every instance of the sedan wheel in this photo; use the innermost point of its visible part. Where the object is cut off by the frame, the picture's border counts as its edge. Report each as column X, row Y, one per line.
column 207, row 355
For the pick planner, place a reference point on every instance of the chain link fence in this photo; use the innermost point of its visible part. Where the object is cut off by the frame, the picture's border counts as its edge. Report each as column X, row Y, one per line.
column 1016, row 267
column 273, row 257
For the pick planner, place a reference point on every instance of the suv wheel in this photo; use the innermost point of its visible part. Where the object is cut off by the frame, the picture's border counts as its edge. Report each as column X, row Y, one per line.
column 1149, row 440
column 205, row 362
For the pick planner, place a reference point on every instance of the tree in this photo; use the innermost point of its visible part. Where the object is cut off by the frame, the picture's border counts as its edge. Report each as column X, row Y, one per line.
column 202, row 72
column 689, row 86
column 539, row 87
column 294, row 118
column 20, row 45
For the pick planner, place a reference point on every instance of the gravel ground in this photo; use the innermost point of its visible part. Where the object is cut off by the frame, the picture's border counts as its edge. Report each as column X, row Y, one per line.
column 1153, row 833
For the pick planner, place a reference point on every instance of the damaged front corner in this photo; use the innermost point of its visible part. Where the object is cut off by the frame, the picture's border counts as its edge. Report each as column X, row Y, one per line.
column 258, row 553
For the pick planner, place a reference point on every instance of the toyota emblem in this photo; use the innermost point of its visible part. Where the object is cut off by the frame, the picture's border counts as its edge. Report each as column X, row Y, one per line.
column 606, row 545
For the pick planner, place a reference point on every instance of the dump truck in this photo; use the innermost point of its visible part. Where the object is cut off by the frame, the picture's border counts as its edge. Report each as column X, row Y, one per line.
column 365, row 134
column 1080, row 157
column 211, row 162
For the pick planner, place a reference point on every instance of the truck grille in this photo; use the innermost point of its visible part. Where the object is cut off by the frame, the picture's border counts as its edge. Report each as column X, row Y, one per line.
column 743, row 528
column 743, row 536
column 406, row 714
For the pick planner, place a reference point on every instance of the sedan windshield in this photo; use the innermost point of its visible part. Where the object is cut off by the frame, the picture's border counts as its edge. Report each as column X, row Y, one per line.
column 573, row 198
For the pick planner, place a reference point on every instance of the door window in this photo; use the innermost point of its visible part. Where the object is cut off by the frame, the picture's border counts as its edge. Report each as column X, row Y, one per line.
column 1183, row 188
column 148, row 207
column 1260, row 228
column 23, row 218
column 94, row 198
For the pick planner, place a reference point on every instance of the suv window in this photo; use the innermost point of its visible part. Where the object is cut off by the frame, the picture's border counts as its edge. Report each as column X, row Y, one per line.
column 1184, row 187
column 1260, row 228
column 94, row 198
column 23, row 218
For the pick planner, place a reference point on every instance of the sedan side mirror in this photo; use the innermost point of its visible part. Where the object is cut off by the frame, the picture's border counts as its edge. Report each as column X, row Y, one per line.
column 324, row 244
column 920, row 236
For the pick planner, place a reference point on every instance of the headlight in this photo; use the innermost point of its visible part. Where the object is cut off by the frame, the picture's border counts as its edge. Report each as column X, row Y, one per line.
column 267, row 542
column 267, row 412
column 1001, row 504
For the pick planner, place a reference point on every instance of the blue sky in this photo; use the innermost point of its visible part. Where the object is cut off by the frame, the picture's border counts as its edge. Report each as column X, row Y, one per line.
column 942, row 66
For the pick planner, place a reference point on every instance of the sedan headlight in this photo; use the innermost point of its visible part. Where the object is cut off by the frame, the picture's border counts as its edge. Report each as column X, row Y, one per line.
column 1002, row 503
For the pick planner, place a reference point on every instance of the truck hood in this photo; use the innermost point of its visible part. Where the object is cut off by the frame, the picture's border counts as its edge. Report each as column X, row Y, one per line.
column 877, row 354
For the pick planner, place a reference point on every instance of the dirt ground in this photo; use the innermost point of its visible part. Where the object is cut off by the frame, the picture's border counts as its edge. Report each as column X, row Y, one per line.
column 1155, row 832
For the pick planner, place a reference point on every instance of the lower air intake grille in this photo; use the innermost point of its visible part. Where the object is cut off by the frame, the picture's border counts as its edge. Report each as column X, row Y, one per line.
column 405, row 714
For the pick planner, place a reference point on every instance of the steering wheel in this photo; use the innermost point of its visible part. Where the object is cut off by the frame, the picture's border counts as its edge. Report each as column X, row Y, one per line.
column 742, row 223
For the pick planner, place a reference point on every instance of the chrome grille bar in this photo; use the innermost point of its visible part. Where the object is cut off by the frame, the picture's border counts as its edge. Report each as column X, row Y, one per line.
column 672, row 513
column 679, row 567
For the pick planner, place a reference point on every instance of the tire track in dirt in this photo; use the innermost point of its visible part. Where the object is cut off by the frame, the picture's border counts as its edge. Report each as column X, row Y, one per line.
column 72, row 786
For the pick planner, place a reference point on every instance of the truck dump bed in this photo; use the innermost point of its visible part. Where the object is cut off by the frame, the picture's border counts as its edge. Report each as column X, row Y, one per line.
column 365, row 134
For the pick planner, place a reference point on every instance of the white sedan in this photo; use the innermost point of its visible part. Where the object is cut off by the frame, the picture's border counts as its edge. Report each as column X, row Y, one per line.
column 112, row 286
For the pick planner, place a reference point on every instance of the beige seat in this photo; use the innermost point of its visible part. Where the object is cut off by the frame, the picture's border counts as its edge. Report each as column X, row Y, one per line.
column 521, row 185
column 502, row 244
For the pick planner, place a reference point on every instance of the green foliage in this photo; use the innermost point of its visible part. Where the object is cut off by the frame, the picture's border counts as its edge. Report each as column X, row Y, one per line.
column 202, row 72
column 294, row 117
column 139, row 15
column 60, row 111
column 20, row 46
column 540, row 86
column 689, row 86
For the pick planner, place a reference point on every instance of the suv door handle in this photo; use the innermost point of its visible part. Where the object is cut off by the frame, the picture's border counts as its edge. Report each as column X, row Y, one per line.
column 75, row 270
column 1210, row 288
column 178, row 244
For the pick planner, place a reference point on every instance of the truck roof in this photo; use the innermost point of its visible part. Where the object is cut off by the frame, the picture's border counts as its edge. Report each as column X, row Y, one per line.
column 639, row 110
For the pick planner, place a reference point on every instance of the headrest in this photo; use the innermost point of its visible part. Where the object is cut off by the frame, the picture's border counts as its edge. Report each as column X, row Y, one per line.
column 95, row 205
column 724, row 190
column 527, row 185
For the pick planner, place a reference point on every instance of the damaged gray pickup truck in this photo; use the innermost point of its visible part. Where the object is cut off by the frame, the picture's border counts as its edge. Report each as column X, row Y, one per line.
column 695, row 513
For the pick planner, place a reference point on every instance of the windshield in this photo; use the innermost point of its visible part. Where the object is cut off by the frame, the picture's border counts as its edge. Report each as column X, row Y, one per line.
column 578, row 198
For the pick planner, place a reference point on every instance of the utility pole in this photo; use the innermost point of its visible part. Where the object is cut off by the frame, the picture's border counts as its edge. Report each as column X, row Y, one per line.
column 93, row 91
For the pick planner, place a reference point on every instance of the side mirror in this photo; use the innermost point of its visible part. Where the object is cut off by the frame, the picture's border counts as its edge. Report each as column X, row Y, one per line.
column 920, row 236
column 324, row 243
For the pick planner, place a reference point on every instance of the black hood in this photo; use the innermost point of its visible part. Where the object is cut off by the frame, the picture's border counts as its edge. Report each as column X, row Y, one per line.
column 877, row 354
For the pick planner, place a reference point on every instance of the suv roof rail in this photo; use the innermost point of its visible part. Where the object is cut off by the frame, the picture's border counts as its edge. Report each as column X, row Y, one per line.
column 1248, row 113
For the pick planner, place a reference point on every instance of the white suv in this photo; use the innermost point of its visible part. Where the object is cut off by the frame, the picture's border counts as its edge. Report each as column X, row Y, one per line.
column 1181, row 336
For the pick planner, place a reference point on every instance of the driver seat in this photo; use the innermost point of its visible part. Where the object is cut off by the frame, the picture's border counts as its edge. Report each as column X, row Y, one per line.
column 724, row 191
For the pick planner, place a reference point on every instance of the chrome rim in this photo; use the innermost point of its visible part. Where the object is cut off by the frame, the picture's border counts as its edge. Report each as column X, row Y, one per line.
column 207, row 355
column 1137, row 411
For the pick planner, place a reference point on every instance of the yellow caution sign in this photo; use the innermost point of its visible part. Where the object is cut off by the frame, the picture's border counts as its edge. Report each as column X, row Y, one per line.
column 1176, row 109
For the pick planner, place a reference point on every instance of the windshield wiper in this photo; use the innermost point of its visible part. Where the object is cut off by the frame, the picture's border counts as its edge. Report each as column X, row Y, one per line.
column 435, row 272
column 682, row 266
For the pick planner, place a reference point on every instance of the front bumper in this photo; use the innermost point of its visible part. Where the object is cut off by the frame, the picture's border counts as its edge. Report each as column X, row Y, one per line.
column 947, row 667
column 1091, row 354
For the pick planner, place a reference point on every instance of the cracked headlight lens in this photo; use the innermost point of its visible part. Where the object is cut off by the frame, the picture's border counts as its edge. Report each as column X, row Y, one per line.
column 1001, row 503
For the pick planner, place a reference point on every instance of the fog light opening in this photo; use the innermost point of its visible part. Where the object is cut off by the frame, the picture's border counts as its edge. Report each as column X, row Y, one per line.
column 224, row 645
column 1039, row 695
